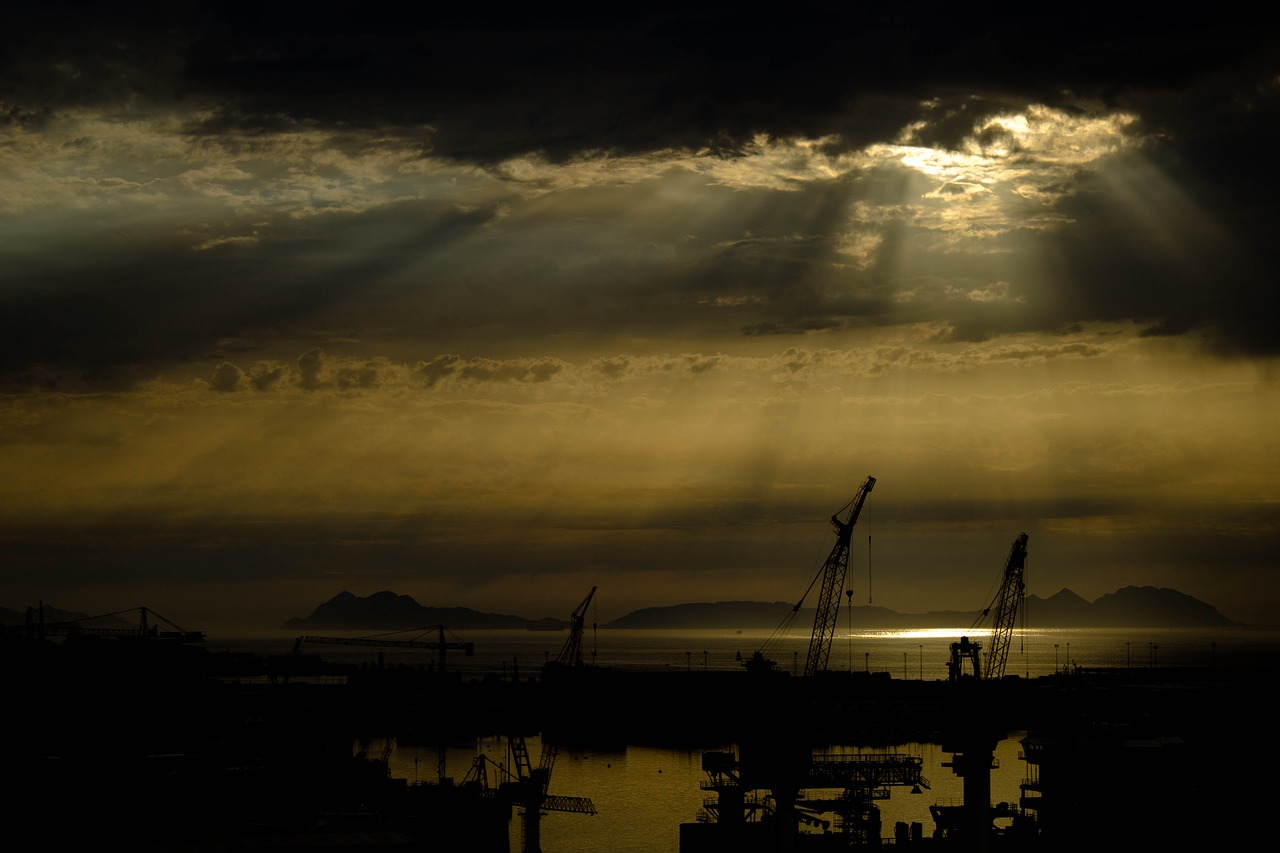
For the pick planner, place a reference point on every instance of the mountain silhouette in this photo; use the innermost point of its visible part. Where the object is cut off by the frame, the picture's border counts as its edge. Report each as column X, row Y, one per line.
column 1130, row 606
column 388, row 611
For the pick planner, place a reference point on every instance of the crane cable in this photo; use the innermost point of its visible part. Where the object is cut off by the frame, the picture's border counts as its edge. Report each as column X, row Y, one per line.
column 775, row 640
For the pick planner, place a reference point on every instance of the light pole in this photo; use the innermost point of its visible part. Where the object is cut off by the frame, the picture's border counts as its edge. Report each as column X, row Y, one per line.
column 904, row 666
column 866, row 659
column 1055, row 658
column 921, row 646
column 1068, row 657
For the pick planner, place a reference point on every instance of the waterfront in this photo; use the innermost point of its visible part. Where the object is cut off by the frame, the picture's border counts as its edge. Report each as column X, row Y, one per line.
column 916, row 654
column 630, row 732
column 644, row 791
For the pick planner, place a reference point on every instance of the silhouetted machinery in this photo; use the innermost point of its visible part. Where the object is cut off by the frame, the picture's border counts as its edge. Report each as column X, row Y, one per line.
column 1006, row 605
column 283, row 669
column 830, row 793
column 525, row 786
column 833, row 574
column 530, row 789
column 571, row 653
column 151, row 626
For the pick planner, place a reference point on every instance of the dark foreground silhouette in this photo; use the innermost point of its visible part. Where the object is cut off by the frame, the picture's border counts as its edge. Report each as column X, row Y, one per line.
column 146, row 744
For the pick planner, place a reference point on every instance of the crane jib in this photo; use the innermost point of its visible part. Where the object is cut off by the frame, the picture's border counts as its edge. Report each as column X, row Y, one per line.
column 833, row 574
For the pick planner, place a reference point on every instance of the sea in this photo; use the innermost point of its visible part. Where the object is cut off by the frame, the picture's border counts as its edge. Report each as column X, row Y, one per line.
column 643, row 793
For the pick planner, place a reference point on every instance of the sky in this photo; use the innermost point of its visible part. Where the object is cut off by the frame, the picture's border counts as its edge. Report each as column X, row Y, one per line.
column 490, row 307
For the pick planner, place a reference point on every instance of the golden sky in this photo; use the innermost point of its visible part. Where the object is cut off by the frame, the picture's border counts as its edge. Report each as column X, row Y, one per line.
column 489, row 313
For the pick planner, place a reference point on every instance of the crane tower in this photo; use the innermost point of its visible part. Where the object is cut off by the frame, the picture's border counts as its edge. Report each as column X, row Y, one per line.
column 833, row 573
column 1008, row 603
column 571, row 653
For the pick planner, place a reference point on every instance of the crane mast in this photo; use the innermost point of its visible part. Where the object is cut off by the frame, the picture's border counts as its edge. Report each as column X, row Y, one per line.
column 833, row 574
column 1008, row 602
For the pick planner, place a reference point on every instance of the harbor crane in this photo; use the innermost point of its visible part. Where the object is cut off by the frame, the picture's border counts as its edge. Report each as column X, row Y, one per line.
column 530, row 784
column 524, row 786
column 151, row 626
column 833, row 574
column 824, row 620
column 571, row 653
column 1007, row 604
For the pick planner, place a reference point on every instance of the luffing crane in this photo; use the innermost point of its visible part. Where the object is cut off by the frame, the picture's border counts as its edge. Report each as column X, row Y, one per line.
column 833, row 573
column 532, row 782
column 824, row 621
column 1006, row 604
column 571, row 653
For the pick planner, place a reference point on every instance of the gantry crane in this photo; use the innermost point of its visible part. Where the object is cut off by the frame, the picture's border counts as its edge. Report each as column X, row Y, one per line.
column 833, row 574
column 1007, row 604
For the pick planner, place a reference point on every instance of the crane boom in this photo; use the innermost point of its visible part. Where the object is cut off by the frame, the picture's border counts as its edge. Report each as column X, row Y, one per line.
column 833, row 573
column 1008, row 602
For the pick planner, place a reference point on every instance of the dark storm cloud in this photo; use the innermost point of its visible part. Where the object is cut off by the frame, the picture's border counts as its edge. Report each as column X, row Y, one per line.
column 492, row 84
column 480, row 86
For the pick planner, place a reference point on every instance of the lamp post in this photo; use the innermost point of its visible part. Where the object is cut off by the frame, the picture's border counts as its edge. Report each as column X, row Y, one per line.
column 1055, row 658
column 1068, row 657
column 866, row 659
column 921, row 646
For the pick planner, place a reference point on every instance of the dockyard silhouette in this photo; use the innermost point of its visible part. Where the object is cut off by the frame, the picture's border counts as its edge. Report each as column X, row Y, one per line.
column 144, row 738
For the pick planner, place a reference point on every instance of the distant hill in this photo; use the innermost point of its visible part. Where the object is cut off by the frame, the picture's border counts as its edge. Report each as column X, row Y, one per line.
column 387, row 611
column 1130, row 607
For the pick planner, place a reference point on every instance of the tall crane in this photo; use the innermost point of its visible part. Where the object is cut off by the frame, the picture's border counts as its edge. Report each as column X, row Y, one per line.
column 532, row 783
column 1007, row 603
column 833, row 573
column 571, row 653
